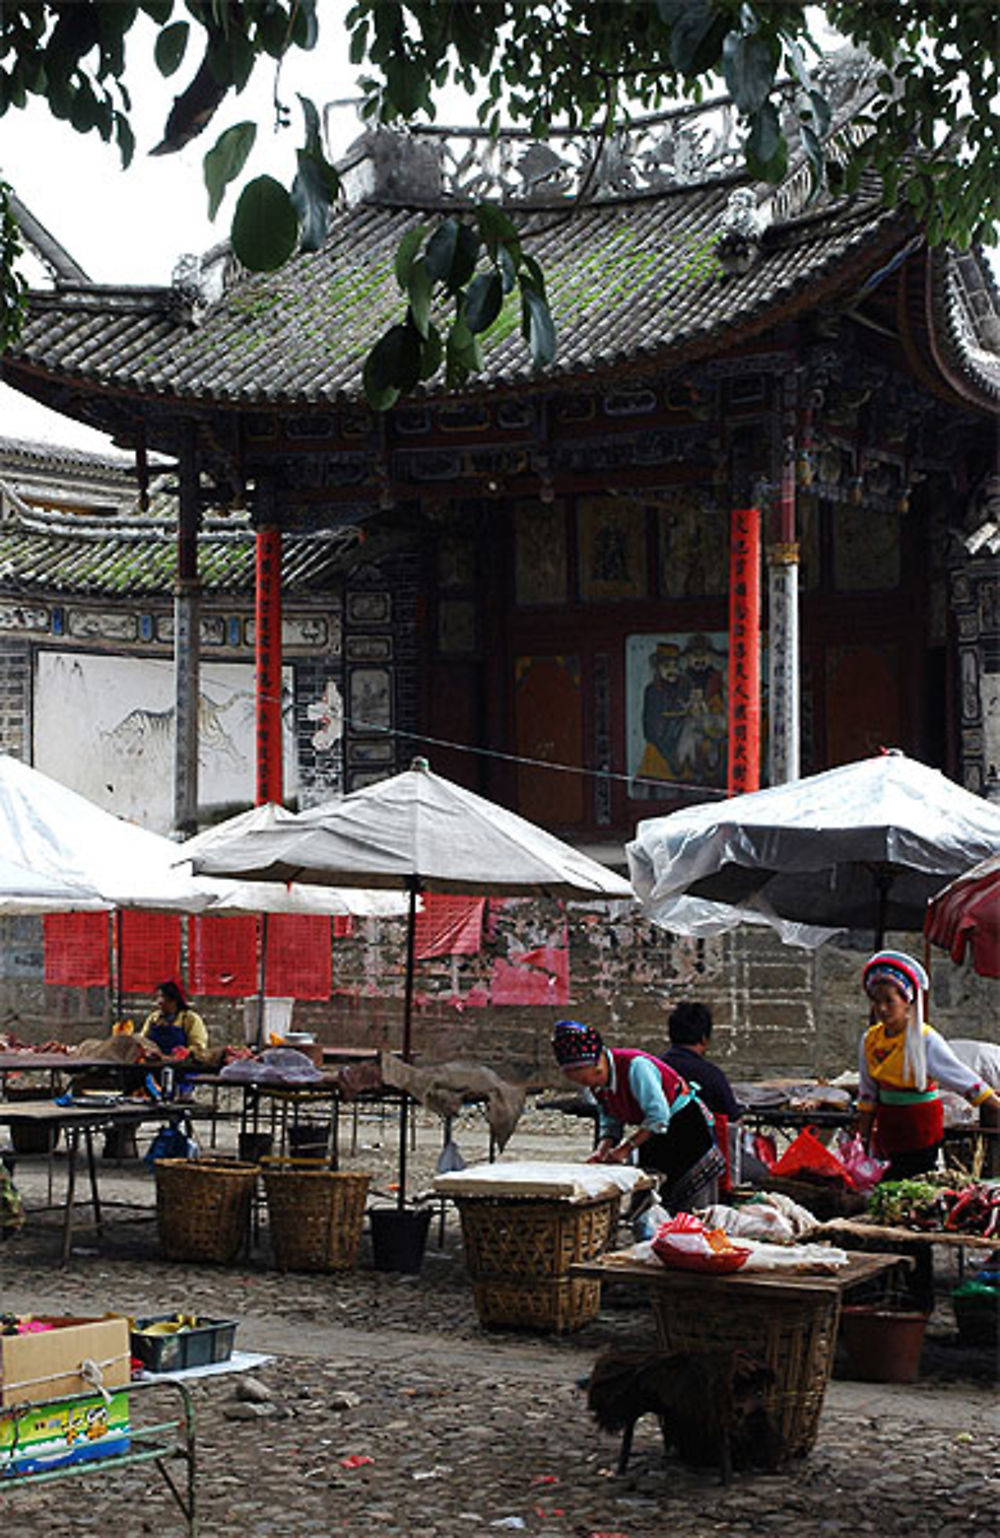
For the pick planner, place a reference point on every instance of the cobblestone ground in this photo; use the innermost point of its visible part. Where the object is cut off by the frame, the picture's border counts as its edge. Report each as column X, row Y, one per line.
column 387, row 1409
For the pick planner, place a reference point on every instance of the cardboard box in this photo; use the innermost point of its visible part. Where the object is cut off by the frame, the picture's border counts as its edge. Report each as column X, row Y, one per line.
column 47, row 1367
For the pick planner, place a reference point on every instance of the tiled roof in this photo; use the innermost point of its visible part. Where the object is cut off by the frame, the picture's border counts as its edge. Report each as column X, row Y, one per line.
column 59, row 553
column 617, row 286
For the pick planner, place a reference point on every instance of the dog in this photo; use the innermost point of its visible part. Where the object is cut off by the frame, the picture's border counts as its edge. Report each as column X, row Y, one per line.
column 710, row 1404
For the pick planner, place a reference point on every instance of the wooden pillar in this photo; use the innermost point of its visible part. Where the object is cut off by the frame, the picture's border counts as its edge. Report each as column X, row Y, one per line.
column 783, row 610
column 187, row 639
column 268, row 659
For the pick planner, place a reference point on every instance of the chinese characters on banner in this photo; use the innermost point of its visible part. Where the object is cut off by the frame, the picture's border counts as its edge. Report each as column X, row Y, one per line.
column 268, row 645
column 744, row 651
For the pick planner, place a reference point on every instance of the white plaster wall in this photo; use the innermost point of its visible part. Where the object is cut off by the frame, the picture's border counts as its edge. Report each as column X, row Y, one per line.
column 104, row 726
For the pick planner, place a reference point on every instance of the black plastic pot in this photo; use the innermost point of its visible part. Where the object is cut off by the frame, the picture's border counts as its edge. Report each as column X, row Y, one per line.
column 399, row 1238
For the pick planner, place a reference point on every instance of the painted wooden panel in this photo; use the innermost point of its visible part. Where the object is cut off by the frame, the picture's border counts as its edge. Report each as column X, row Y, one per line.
column 548, row 704
column 862, row 701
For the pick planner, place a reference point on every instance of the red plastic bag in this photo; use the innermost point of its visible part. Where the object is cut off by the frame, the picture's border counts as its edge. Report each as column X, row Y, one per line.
column 808, row 1156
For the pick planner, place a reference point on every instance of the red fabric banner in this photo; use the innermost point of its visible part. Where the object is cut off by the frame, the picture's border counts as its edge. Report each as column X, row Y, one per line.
column 222, row 955
column 149, row 950
column 534, row 977
column 449, row 926
column 76, row 949
column 298, row 956
column 744, row 650
column 343, row 926
column 267, row 646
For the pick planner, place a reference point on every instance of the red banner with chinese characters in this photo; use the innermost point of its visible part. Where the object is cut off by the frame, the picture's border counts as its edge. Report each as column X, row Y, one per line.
column 298, row 956
column 744, row 650
column 222, row 955
column 149, row 950
column 268, row 654
column 76, row 949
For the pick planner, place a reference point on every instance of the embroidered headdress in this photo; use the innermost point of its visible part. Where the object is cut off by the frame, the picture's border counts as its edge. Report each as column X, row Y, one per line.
column 575, row 1045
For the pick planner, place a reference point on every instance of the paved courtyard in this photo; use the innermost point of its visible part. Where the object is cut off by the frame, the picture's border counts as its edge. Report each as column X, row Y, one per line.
column 388, row 1409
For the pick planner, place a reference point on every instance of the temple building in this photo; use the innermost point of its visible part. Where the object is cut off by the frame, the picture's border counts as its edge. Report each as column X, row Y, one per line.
column 528, row 580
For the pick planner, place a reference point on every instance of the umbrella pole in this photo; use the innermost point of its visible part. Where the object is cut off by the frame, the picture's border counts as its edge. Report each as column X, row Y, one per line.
column 883, row 881
column 411, row 946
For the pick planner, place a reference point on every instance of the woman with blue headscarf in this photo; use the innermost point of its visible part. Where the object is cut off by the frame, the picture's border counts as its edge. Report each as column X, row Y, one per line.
column 902, row 1063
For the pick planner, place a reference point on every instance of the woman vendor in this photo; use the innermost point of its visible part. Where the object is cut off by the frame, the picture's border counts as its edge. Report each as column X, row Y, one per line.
column 902, row 1062
column 173, row 1026
column 673, row 1132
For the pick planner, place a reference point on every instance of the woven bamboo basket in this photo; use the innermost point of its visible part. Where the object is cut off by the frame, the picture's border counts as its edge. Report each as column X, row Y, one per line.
column 794, row 1336
column 518, row 1252
column 203, row 1208
column 315, row 1214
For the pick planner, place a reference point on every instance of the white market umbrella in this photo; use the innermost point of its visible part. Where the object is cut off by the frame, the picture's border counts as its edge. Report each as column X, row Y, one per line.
column 415, row 831
column 58, row 847
column 28, row 891
column 60, row 836
column 234, row 896
column 860, row 847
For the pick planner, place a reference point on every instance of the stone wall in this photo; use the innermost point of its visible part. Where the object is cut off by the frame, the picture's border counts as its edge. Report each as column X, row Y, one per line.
column 778, row 1011
column 15, row 696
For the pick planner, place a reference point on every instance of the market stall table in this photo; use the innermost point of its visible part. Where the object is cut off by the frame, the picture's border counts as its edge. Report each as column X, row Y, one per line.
column 80, row 1120
column 787, row 1321
column 860, row 1234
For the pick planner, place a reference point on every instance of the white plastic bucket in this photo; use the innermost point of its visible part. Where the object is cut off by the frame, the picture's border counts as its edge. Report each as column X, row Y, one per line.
column 277, row 1019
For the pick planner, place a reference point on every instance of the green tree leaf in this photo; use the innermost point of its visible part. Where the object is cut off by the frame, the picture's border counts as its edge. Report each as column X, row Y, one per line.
column 537, row 325
column 431, row 353
column 265, row 225
column 225, row 160
column 483, row 302
column 312, row 194
column 406, row 253
column 170, row 47
column 420, row 289
column 749, row 65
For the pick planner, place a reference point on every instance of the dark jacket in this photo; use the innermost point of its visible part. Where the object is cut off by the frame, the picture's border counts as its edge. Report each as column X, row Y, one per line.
column 714, row 1089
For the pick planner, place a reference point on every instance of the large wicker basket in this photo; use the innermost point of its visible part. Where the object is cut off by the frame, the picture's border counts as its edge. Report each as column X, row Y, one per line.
column 203, row 1208
column 518, row 1252
column 315, row 1215
column 794, row 1336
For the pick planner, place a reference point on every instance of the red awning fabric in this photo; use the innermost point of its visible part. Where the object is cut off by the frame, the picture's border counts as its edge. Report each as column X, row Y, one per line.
column 298, row 956
column 149, row 949
column 965, row 917
column 76, row 949
column 449, row 925
column 222, row 955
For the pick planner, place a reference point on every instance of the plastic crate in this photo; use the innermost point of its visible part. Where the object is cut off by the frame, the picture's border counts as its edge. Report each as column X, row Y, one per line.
column 208, row 1340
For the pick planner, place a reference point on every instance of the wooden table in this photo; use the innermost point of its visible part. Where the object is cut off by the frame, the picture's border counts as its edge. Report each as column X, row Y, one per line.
column 860, row 1234
column 76, row 1121
column 787, row 1321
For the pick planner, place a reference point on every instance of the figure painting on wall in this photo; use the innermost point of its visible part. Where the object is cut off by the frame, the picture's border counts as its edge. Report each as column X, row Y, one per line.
column 677, row 709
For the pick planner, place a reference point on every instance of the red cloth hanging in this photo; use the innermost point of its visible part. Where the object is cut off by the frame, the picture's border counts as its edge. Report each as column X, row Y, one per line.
column 149, row 950
column 76, row 949
column 298, row 956
column 222, row 955
column 534, row 977
column 343, row 926
column 449, row 926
